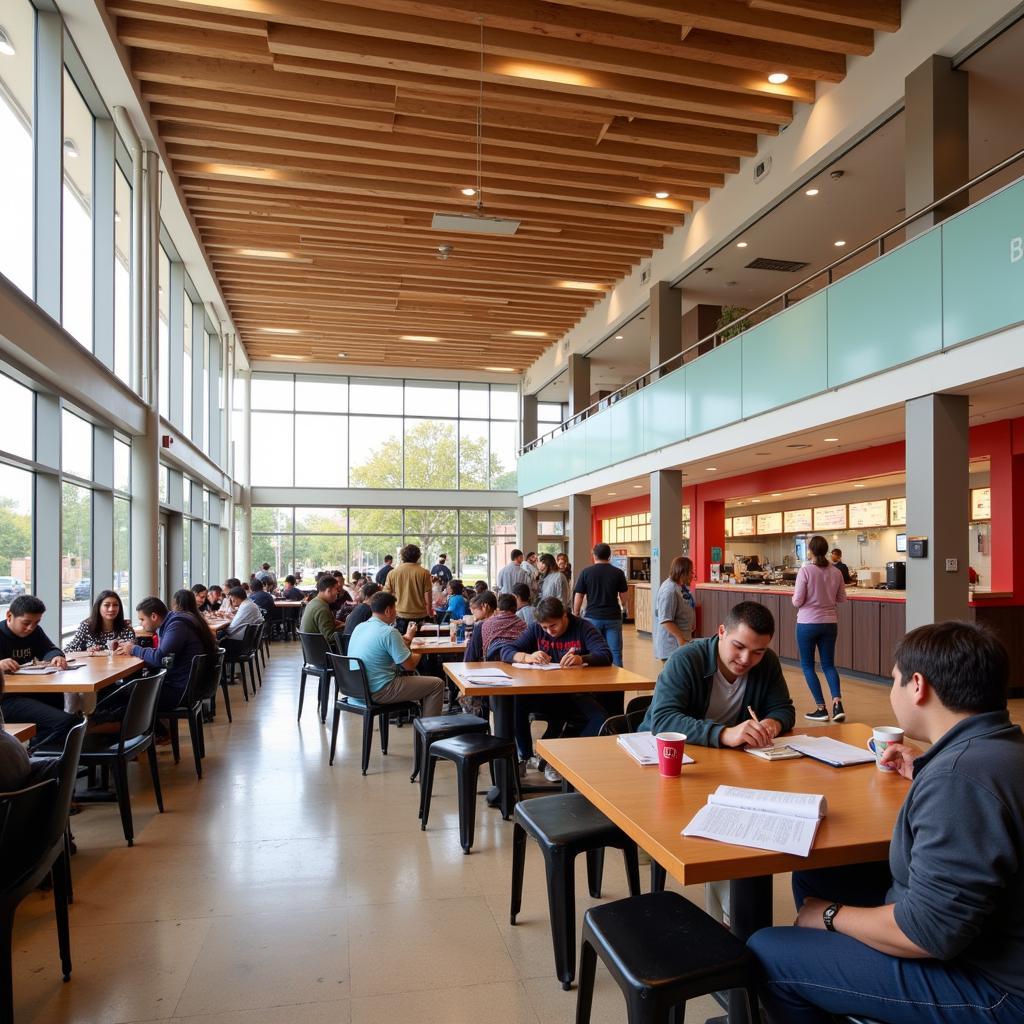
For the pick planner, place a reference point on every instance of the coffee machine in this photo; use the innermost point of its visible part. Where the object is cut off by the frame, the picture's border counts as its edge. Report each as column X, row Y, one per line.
column 895, row 575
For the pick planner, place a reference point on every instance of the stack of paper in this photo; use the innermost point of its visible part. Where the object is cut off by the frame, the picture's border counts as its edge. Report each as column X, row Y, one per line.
column 833, row 752
column 643, row 748
column 549, row 667
column 760, row 818
column 485, row 676
column 36, row 670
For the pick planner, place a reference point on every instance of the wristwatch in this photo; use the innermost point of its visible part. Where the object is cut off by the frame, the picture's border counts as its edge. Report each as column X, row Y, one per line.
column 828, row 915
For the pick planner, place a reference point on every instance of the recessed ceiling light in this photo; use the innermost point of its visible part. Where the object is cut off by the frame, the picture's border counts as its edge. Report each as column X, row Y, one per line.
column 6, row 46
column 611, row 494
column 278, row 355
column 831, row 438
column 581, row 286
column 638, row 487
column 267, row 254
column 839, row 244
column 859, row 485
column 812, row 494
column 742, row 245
column 661, row 195
column 530, row 334
column 277, row 330
column 618, row 337
column 711, row 469
column 811, row 192
column 778, row 78
column 70, row 149
column 419, row 337
column 500, row 369
column 469, row 191
column 343, row 355
column 755, row 501
column 776, row 494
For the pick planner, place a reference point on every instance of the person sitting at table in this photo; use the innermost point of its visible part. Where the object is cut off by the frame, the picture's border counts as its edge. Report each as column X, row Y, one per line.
column 214, row 599
column 482, row 607
column 346, row 597
column 456, row 607
column 361, row 612
column 202, row 594
column 317, row 616
column 22, row 642
column 106, row 622
column 708, row 687
column 291, row 592
column 385, row 653
column 244, row 613
column 480, row 586
column 502, row 627
column 936, row 933
column 15, row 766
column 231, row 583
column 263, row 598
column 524, row 602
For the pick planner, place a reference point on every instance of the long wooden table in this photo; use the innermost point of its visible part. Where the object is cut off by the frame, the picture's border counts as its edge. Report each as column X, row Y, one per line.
column 440, row 645
column 862, row 807
column 530, row 682
column 21, row 731
column 95, row 674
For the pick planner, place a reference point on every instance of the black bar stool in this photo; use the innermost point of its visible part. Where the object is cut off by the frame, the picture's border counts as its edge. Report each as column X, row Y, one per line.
column 439, row 727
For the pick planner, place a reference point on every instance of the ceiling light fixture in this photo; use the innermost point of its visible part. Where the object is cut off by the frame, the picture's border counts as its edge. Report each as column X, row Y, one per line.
column 469, row 191
column 831, row 438
column 778, row 78
column 859, row 485
column 711, row 469
column 755, row 501
column 278, row 355
column 278, row 330
column 500, row 369
column 776, row 494
column 811, row 192
column 611, row 494
column 70, row 149
column 420, row 337
column 839, row 244
column 343, row 355
column 581, row 286
column 619, row 337
column 638, row 487
column 741, row 245
column 529, row 334
column 661, row 195
column 267, row 254
column 6, row 46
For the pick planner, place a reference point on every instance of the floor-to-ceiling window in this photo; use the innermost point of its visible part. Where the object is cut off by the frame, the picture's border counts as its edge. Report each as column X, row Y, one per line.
column 164, row 331
column 16, row 493
column 122, row 275
column 77, row 237
column 122, row 518
column 76, row 520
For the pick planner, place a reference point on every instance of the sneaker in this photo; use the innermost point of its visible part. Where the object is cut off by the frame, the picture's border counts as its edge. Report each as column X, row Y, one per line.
column 533, row 763
column 819, row 714
column 838, row 714
column 551, row 775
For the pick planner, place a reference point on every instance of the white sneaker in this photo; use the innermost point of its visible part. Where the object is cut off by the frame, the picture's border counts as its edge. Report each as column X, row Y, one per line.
column 533, row 763
column 551, row 775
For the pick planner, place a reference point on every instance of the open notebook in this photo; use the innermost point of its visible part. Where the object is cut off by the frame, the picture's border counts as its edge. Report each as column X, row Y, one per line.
column 643, row 748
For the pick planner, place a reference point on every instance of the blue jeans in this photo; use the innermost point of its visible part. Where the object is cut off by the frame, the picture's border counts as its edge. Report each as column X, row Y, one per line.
column 820, row 635
column 611, row 630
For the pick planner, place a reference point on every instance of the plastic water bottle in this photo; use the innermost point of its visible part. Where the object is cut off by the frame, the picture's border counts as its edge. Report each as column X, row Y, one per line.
column 460, row 632
column 451, row 630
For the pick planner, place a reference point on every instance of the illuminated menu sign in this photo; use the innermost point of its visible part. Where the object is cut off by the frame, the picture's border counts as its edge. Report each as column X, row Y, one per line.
column 897, row 511
column 743, row 526
column 868, row 513
column 728, row 527
column 769, row 522
column 797, row 520
column 830, row 517
column 981, row 503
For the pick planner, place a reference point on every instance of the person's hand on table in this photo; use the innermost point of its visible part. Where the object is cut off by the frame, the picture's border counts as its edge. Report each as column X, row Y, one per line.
column 571, row 660
column 536, row 658
column 60, row 662
column 809, row 915
column 122, row 647
column 901, row 757
column 9, row 665
column 748, row 734
column 411, row 630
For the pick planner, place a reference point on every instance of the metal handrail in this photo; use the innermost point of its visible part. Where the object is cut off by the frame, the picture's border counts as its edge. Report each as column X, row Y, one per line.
column 783, row 297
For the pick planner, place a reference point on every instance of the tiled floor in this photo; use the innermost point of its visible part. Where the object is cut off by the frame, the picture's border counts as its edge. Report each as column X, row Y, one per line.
column 278, row 889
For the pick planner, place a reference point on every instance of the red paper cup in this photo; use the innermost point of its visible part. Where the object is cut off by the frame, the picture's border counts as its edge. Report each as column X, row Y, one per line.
column 671, row 746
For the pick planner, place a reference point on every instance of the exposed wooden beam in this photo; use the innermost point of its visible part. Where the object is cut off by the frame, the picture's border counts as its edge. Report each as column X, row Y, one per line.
column 763, row 55
column 880, row 15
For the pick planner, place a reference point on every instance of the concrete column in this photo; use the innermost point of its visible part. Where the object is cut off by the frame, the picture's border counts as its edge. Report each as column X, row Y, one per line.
column 580, row 542
column 698, row 322
column 937, row 158
column 666, row 522
column 665, row 318
column 529, row 423
column 938, row 493
column 579, row 384
column 526, row 529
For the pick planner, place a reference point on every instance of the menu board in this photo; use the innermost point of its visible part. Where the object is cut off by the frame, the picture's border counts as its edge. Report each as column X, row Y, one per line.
column 769, row 522
column 797, row 520
column 981, row 503
column 830, row 517
column 868, row 513
column 897, row 511
column 743, row 526
column 728, row 527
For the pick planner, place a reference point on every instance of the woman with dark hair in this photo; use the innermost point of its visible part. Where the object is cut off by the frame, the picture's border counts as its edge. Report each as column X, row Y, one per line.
column 202, row 597
column 819, row 588
column 675, row 611
column 553, row 582
column 184, row 603
column 106, row 622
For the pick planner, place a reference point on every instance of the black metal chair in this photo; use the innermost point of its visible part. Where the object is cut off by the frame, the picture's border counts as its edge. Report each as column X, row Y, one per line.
column 136, row 736
column 265, row 633
column 207, row 694
column 241, row 654
column 428, row 731
column 662, row 950
column 191, row 709
column 314, row 663
column 34, row 845
column 341, row 641
column 353, row 695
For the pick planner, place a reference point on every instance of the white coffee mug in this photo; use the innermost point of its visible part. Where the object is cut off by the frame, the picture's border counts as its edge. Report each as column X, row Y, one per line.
column 881, row 737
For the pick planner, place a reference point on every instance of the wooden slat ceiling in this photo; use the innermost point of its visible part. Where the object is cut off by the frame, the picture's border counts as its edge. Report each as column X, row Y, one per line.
column 314, row 141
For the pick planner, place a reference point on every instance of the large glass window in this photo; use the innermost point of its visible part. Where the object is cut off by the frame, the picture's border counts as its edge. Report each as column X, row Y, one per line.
column 76, row 445
column 15, row 534
column 164, row 331
column 206, row 394
column 76, row 555
column 122, row 547
column 273, row 448
column 122, row 276
column 186, row 372
column 376, row 451
column 321, row 450
column 18, row 403
column 431, row 454
column 16, row 165
column 77, row 240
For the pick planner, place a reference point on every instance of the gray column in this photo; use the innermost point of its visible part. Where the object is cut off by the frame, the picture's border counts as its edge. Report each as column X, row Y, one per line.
column 579, row 383
column 48, row 135
column 666, row 522
column 176, row 344
column 665, row 320
column 145, row 577
column 103, row 242
column 526, row 529
column 936, row 120
column 529, row 425
column 698, row 322
column 938, row 494
column 580, row 542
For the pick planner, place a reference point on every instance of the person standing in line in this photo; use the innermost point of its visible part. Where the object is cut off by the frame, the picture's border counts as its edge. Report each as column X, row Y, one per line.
column 837, row 560
column 512, row 573
column 603, row 585
column 382, row 572
column 675, row 612
column 819, row 588
column 552, row 582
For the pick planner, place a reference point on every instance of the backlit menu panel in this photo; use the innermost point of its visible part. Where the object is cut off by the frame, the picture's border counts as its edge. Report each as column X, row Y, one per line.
column 743, row 526
column 897, row 511
column 981, row 503
column 797, row 520
column 769, row 522
column 830, row 517
column 868, row 513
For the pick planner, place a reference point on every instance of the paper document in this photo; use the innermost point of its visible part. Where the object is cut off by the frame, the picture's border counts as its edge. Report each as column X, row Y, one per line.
column 778, row 752
column 833, row 752
column 35, row 670
column 643, row 748
column 490, row 673
column 759, row 818
column 550, row 667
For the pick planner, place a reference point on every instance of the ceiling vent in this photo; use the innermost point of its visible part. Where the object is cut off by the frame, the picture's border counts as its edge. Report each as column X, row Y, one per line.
column 798, row 446
column 784, row 266
column 474, row 223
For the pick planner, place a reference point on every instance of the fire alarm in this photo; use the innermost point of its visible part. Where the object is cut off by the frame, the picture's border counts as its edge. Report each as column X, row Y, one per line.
column 166, row 440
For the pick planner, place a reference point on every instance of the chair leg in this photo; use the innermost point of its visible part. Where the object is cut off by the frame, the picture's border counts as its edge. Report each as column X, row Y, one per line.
column 6, row 973
column 421, row 767
column 172, row 727
column 67, row 864
column 385, row 732
column 417, row 754
column 467, row 776
column 241, row 675
column 154, row 772
column 367, row 739
column 334, row 734
column 560, row 868
column 254, row 661
column 632, row 861
column 323, row 696
column 124, row 800
column 302, row 694
column 227, row 698
column 753, row 1006
column 659, row 876
column 202, row 732
column 194, row 729
column 59, row 875
column 428, row 789
column 595, row 871
column 518, row 871
column 585, row 991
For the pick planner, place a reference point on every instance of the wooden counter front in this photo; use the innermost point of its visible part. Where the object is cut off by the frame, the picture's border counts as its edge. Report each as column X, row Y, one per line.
column 643, row 612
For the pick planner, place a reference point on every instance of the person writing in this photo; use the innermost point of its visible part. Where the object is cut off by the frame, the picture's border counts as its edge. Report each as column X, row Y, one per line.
column 709, row 687
column 675, row 611
column 936, row 933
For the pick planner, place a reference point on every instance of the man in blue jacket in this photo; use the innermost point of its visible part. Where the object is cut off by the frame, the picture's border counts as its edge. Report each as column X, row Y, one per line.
column 937, row 933
column 708, row 686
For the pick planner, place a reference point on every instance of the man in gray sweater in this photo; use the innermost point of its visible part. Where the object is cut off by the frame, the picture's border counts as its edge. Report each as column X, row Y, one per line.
column 708, row 687
column 937, row 933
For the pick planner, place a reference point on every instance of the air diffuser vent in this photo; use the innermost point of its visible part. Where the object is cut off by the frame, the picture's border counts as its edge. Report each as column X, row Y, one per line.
column 785, row 266
column 475, row 224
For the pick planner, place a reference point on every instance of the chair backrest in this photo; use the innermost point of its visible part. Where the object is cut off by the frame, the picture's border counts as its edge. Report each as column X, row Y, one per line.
column 66, row 773
column 640, row 704
column 341, row 641
column 352, row 681
column 196, row 677
column 139, row 714
column 617, row 725
column 24, row 833
column 250, row 639
column 210, row 680
column 314, row 649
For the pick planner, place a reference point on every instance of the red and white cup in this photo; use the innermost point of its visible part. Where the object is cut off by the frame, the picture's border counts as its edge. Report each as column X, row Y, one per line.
column 671, row 747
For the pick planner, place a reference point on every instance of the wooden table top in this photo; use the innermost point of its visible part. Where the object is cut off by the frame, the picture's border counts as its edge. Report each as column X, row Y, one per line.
column 440, row 645
column 529, row 681
column 21, row 731
column 862, row 803
column 95, row 674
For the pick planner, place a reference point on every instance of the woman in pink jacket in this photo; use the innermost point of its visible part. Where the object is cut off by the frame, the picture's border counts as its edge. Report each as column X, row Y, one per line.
column 819, row 588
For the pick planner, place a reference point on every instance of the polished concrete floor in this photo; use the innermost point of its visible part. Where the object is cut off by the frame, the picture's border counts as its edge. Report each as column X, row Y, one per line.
column 279, row 889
